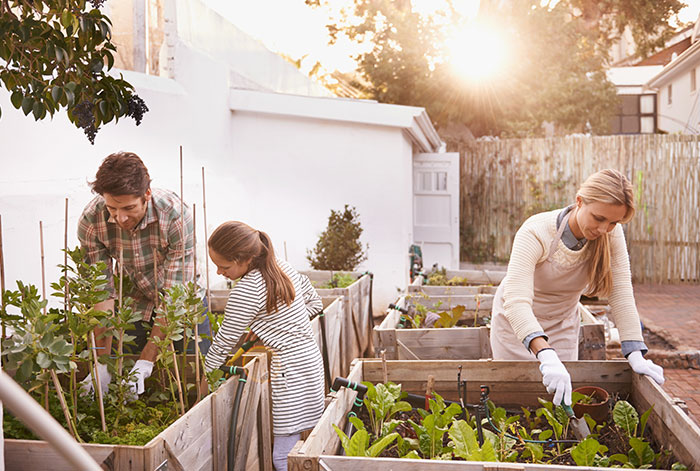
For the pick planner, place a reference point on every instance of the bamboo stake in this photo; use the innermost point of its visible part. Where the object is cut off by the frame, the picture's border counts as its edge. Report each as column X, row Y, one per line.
column 2, row 280
column 64, row 406
column 73, row 390
column 177, row 380
column 43, row 267
column 120, row 343
column 184, row 272
column 98, row 388
column 43, row 294
column 206, row 236
column 285, row 251
column 197, row 371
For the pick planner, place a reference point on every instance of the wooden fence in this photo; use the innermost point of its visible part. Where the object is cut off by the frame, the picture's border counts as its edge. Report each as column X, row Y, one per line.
column 503, row 182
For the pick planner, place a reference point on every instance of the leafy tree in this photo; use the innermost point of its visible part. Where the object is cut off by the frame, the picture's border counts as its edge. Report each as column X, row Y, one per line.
column 555, row 74
column 339, row 246
column 56, row 54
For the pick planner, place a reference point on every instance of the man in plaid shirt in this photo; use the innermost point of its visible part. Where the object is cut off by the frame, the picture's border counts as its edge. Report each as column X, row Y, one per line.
column 130, row 220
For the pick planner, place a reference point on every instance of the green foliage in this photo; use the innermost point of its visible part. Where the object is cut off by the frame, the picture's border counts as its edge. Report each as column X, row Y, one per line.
column 56, row 54
column 450, row 318
column 339, row 246
column 431, row 430
column 358, row 444
column 586, row 452
column 382, row 403
column 338, row 280
column 465, row 444
column 626, row 417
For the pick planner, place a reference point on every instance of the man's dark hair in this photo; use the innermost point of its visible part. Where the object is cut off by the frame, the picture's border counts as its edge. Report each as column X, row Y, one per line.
column 122, row 173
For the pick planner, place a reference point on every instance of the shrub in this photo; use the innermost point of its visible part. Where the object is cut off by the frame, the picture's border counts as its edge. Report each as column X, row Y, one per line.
column 339, row 246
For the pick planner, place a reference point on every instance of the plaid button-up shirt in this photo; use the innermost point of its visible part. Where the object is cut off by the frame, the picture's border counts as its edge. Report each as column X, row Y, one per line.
column 160, row 232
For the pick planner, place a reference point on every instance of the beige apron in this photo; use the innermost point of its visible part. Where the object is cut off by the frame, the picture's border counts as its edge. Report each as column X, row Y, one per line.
column 557, row 290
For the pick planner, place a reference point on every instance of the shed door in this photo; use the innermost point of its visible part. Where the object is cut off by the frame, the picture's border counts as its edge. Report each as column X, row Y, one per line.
column 436, row 208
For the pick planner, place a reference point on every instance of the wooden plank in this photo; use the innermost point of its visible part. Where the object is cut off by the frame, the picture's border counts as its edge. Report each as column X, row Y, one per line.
column 247, row 414
column 222, row 410
column 323, row 438
column 433, row 344
column 452, row 290
column 265, row 435
column 669, row 424
column 30, row 455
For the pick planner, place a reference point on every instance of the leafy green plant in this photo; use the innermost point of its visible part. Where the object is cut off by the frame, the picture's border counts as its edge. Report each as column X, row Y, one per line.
column 56, row 54
column 338, row 280
column 431, row 430
column 382, row 403
column 588, row 452
column 626, row 417
column 465, row 444
column 358, row 444
column 339, row 246
column 450, row 318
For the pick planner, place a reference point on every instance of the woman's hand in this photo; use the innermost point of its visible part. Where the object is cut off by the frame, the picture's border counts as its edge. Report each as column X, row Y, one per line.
column 555, row 376
column 643, row 366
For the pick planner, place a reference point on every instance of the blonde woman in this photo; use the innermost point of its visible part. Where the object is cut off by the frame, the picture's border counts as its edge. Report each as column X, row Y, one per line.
column 557, row 256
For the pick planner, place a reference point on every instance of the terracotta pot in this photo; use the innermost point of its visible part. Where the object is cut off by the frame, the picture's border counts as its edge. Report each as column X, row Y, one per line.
column 599, row 409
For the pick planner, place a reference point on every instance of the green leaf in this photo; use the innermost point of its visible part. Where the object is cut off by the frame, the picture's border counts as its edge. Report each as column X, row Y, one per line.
column 641, row 453
column 413, row 455
column 584, row 453
column 27, row 105
column 43, row 360
column 24, row 372
column 56, row 93
column 379, row 445
column 625, row 416
column 464, row 438
column 16, row 99
column 643, row 420
column 357, row 445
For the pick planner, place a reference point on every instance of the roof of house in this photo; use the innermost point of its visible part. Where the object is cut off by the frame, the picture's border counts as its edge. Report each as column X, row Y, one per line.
column 689, row 58
column 414, row 121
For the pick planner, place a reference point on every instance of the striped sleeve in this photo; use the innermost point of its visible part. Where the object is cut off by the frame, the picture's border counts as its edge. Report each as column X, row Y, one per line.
column 244, row 303
column 312, row 300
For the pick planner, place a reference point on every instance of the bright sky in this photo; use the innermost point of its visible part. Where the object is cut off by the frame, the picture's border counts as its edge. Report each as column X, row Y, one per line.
column 292, row 28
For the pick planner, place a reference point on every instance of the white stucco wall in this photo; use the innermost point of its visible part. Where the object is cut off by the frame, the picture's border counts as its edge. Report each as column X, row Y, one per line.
column 278, row 173
column 682, row 114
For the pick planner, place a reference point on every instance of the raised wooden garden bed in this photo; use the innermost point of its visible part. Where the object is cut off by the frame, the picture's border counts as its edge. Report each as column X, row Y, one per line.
column 471, row 277
column 196, row 441
column 333, row 323
column 435, row 343
column 357, row 298
column 512, row 384
column 468, row 343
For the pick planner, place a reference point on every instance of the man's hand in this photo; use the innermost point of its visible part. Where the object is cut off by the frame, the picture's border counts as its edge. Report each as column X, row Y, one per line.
column 104, row 377
column 554, row 376
column 141, row 370
column 643, row 366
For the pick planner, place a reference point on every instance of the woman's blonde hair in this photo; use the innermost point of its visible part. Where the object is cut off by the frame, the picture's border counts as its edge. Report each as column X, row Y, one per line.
column 238, row 242
column 611, row 187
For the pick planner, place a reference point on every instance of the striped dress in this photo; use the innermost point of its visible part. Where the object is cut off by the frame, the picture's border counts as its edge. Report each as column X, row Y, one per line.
column 297, row 368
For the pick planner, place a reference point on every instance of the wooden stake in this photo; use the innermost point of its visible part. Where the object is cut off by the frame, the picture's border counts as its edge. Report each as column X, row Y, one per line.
column 197, row 372
column 93, row 347
column 206, row 236
column 64, row 406
column 385, row 375
column 120, row 343
column 285, row 251
column 184, row 270
column 43, row 268
column 177, row 380
column 2, row 279
column 65, row 259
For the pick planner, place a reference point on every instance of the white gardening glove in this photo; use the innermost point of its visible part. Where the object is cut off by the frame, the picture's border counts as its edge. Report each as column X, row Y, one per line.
column 142, row 369
column 554, row 376
column 643, row 366
column 104, row 376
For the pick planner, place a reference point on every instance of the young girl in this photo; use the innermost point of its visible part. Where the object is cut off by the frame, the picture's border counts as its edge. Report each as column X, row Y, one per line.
column 275, row 301
column 556, row 257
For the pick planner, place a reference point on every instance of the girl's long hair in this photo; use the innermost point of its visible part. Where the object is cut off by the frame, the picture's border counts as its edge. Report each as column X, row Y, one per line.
column 611, row 187
column 238, row 242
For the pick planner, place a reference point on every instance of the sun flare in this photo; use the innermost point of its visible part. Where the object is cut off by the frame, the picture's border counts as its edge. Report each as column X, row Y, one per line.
column 478, row 53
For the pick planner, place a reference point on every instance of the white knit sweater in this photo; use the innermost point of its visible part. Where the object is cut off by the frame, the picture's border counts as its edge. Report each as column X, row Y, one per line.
column 531, row 246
